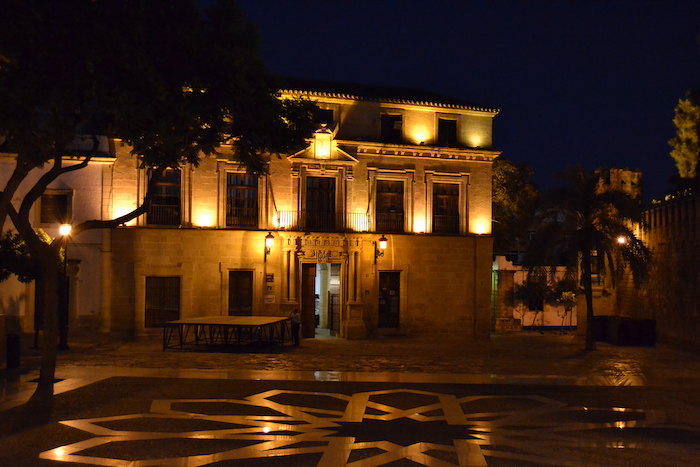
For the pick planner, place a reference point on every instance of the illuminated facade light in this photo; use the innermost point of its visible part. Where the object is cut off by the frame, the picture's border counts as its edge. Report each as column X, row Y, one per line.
column 481, row 226
column 622, row 240
column 65, row 229
column 323, row 143
column 205, row 219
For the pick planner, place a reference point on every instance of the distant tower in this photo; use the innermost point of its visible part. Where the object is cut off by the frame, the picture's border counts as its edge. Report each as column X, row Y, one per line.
column 625, row 180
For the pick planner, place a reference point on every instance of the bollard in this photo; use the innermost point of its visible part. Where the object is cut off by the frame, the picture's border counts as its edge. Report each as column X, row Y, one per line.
column 13, row 350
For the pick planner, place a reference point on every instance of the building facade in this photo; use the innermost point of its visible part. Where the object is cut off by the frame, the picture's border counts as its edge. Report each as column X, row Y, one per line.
column 380, row 226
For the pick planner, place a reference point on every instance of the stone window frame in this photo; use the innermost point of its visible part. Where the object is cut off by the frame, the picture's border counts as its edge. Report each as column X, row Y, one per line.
column 447, row 116
column 458, row 178
column 342, row 175
column 396, row 113
column 185, row 195
column 223, row 168
column 68, row 193
column 408, row 176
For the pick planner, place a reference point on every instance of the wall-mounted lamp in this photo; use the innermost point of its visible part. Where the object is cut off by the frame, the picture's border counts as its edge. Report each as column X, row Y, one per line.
column 379, row 247
column 269, row 241
column 64, row 229
column 621, row 240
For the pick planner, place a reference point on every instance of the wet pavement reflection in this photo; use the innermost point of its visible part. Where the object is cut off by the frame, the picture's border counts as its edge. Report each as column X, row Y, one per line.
column 371, row 428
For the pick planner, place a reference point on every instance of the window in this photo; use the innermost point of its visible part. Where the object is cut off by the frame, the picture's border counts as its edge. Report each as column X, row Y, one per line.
column 447, row 132
column 55, row 208
column 162, row 300
column 389, row 206
column 391, row 130
column 165, row 205
column 241, row 200
column 323, row 117
column 320, row 204
column 446, row 208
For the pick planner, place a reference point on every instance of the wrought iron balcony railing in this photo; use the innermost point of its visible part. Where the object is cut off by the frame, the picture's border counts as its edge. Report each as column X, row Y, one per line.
column 163, row 214
column 390, row 222
column 445, row 224
column 242, row 217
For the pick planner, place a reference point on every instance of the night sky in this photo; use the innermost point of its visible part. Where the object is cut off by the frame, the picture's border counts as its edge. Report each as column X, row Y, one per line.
column 578, row 82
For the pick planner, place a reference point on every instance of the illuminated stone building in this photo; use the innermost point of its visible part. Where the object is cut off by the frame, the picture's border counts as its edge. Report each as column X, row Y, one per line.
column 380, row 226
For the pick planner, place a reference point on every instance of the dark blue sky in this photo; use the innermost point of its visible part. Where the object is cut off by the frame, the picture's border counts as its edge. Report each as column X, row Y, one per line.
column 589, row 82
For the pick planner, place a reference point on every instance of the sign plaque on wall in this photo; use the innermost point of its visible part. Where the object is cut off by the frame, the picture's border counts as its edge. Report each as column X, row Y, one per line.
column 270, row 277
column 269, row 299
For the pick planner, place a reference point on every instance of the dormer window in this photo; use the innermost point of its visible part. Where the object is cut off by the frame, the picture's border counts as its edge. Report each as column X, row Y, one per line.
column 392, row 128
column 447, row 132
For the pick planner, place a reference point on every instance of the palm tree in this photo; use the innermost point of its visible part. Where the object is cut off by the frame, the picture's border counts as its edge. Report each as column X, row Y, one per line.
column 583, row 216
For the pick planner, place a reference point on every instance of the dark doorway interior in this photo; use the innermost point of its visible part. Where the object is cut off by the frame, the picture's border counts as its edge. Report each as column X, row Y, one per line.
column 389, row 299
column 308, row 299
column 240, row 293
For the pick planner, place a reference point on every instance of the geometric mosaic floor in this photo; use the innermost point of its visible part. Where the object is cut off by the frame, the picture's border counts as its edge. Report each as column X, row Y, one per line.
column 395, row 426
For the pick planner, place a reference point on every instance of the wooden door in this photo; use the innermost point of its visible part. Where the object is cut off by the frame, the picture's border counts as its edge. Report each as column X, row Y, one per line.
column 308, row 299
column 240, row 293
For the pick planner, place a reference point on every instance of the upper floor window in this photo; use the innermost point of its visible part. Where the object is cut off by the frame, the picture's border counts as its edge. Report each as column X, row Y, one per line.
column 165, row 204
column 241, row 200
column 324, row 117
column 320, row 213
column 447, row 132
column 389, row 206
column 55, row 208
column 446, row 208
column 392, row 128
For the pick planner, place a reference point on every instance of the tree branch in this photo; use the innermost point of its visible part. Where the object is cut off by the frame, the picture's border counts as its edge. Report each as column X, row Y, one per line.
column 40, row 186
column 110, row 224
column 18, row 174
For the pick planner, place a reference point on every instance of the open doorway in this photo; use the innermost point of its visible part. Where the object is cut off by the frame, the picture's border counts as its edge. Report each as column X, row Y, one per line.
column 320, row 308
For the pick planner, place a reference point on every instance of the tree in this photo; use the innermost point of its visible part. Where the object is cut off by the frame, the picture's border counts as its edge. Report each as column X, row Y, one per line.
column 514, row 200
column 172, row 80
column 579, row 218
column 686, row 143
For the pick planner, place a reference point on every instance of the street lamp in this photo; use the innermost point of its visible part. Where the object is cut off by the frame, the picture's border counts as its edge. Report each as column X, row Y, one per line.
column 269, row 243
column 379, row 247
column 621, row 240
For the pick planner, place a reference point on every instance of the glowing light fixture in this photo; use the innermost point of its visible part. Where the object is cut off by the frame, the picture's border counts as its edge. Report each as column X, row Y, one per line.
column 419, row 226
column 323, row 143
column 65, row 229
column 475, row 141
column 269, row 242
column 205, row 219
column 622, row 240
column 379, row 247
column 420, row 135
column 481, row 226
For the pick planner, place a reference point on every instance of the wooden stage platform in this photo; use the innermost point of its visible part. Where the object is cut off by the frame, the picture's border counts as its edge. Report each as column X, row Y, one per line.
column 226, row 331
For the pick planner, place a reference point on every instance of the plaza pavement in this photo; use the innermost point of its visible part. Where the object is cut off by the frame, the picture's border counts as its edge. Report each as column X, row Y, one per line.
column 516, row 399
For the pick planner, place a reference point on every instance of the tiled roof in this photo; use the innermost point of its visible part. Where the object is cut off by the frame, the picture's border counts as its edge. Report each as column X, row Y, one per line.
column 368, row 92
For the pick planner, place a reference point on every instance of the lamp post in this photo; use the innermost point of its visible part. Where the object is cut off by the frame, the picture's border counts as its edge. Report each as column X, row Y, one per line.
column 64, row 230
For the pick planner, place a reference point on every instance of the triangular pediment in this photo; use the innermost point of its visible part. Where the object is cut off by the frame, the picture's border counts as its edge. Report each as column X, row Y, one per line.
column 336, row 155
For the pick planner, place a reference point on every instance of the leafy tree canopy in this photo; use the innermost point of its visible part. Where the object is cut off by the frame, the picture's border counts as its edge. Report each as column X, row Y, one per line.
column 686, row 143
column 514, row 202
column 579, row 218
column 167, row 77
